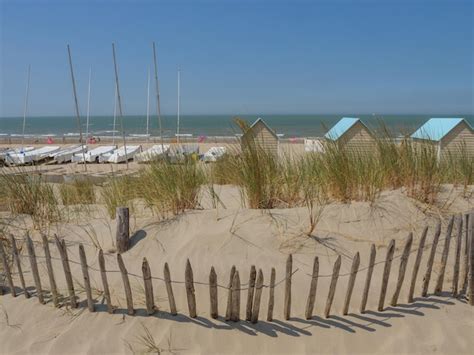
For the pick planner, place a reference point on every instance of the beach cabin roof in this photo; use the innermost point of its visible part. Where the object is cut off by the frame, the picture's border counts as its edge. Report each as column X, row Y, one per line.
column 261, row 121
column 435, row 129
column 341, row 127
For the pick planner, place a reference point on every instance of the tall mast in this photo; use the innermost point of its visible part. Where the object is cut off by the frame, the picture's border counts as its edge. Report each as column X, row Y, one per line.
column 115, row 114
column 157, row 89
column 78, row 117
column 179, row 98
column 25, row 108
column 119, row 103
column 148, row 103
column 88, row 103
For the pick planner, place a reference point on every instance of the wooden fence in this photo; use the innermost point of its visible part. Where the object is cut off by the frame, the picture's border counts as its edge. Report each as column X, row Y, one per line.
column 462, row 283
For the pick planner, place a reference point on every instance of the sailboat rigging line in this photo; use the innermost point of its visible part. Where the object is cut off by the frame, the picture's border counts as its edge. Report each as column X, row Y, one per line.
column 157, row 88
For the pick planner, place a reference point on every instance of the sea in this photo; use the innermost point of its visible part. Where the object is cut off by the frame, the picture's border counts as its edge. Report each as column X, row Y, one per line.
column 288, row 125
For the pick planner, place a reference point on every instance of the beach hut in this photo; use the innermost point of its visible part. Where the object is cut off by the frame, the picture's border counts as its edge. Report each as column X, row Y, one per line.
column 352, row 133
column 450, row 135
column 261, row 134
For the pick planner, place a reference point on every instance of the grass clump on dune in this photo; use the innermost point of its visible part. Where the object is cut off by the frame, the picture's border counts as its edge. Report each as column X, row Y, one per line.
column 80, row 191
column 119, row 191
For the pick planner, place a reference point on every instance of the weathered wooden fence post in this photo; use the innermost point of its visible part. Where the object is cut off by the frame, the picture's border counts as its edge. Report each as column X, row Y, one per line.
column 61, row 245
column 465, row 255
column 49, row 267
column 332, row 286
column 103, row 275
column 402, row 269
column 289, row 271
column 16, row 256
column 429, row 266
column 258, row 296
column 370, row 270
column 457, row 256
column 250, row 292
column 189, row 282
column 235, row 314
column 471, row 259
column 6, row 269
column 386, row 274
column 122, row 235
column 126, row 285
column 416, row 267
column 228, row 311
column 169, row 290
column 148, row 284
column 351, row 282
column 444, row 257
column 271, row 296
column 312, row 289
column 85, row 275
column 213, row 293
column 34, row 268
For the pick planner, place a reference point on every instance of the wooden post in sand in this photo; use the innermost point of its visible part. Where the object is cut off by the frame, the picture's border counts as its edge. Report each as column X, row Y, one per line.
column 103, row 275
column 85, row 274
column 122, row 235
column 386, row 274
column 34, row 268
column 258, row 296
column 213, row 293
column 250, row 292
column 126, row 285
column 235, row 314
column 368, row 278
column 470, row 294
column 351, row 282
column 189, row 282
column 402, row 269
column 49, row 267
column 289, row 271
column 169, row 290
column 332, row 286
column 228, row 311
column 416, row 267
column 271, row 296
column 16, row 256
column 312, row 289
column 61, row 245
column 465, row 255
column 457, row 256
column 6, row 269
column 444, row 257
column 429, row 266
column 148, row 284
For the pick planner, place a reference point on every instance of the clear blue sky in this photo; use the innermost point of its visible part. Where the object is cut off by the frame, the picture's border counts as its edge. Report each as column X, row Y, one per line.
column 242, row 57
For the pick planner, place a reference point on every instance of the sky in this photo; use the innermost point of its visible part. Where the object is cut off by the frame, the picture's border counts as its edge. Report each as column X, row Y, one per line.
column 241, row 57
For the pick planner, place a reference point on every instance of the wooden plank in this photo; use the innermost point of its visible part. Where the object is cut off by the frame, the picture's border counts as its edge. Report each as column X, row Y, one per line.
column 416, row 266
column 386, row 274
column 332, row 287
column 228, row 311
column 271, row 296
column 258, row 296
column 122, row 235
column 61, row 245
column 429, row 266
column 289, row 271
column 85, row 275
column 6, row 269
column 351, row 282
column 402, row 269
column 49, row 268
column 105, row 283
column 126, row 285
column 34, row 268
column 444, row 257
column 250, row 292
column 465, row 255
column 213, row 293
column 189, row 281
column 16, row 256
column 235, row 314
column 148, row 284
column 457, row 256
column 470, row 294
column 368, row 278
column 169, row 290
column 312, row 289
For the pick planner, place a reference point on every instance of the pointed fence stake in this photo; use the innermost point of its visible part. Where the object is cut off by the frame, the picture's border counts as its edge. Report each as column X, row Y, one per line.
column 271, row 296
column 126, row 285
column 351, row 282
column 6, row 269
column 189, row 282
column 85, row 274
column 235, row 315
column 250, row 292
column 169, row 290
column 16, row 256
column 258, row 296
column 105, row 283
column 213, row 293
column 289, row 271
column 148, row 283
column 386, row 274
column 465, row 255
column 49, row 267
column 402, row 269
column 368, row 278
column 228, row 312
column 416, row 267
column 444, row 257
column 471, row 260
column 457, row 256
column 332, row 287
column 429, row 266
column 34, row 268
column 312, row 289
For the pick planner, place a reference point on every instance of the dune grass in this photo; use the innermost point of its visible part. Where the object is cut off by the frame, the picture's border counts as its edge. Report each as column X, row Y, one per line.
column 80, row 191
column 119, row 191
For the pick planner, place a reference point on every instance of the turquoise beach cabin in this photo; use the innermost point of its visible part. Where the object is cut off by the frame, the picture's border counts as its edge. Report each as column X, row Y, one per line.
column 352, row 133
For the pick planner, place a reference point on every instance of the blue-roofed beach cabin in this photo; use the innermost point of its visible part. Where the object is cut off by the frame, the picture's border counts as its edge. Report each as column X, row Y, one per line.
column 352, row 133
column 451, row 135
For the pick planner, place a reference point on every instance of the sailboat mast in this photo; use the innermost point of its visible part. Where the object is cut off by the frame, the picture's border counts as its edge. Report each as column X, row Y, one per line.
column 119, row 103
column 25, row 108
column 148, row 103
column 157, row 89
column 179, row 99
column 88, row 104
column 115, row 114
